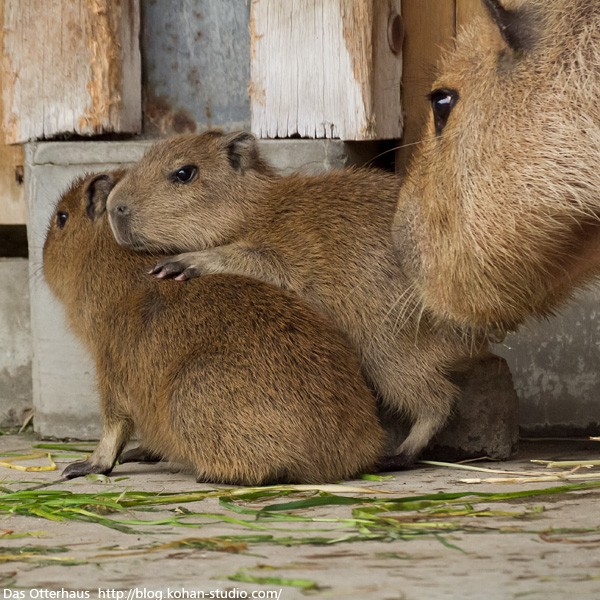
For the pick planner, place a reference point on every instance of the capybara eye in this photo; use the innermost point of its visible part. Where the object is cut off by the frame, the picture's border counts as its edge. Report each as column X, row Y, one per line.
column 61, row 218
column 185, row 174
column 442, row 102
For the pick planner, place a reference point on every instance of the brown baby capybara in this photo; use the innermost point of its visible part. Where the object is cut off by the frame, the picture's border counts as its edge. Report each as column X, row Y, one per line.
column 325, row 237
column 239, row 381
column 499, row 217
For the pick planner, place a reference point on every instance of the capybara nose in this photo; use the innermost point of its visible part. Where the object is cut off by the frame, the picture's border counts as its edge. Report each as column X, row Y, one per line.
column 121, row 210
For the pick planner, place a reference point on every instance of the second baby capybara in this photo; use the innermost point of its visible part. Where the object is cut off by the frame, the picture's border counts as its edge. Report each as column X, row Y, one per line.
column 238, row 381
column 325, row 237
column 499, row 216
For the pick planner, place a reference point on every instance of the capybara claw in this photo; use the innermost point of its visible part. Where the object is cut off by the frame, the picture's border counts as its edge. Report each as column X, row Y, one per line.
column 84, row 467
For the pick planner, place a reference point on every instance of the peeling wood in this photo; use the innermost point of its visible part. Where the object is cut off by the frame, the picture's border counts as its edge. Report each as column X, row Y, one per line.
column 71, row 68
column 324, row 69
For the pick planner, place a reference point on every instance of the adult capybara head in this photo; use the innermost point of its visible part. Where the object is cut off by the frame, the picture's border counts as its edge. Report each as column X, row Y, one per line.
column 208, row 174
column 499, row 217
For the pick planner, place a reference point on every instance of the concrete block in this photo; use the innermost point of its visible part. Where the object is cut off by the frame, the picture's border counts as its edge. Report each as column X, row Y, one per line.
column 556, row 368
column 15, row 346
column 316, row 156
column 64, row 395
column 486, row 416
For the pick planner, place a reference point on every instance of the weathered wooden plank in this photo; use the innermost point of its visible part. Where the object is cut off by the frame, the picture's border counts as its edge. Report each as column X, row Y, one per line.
column 324, row 69
column 13, row 210
column 429, row 27
column 70, row 67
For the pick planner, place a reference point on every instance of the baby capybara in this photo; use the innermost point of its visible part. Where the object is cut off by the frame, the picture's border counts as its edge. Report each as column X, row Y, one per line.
column 239, row 381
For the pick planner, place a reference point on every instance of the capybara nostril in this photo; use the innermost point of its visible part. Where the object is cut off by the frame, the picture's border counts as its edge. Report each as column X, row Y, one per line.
column 122, row 210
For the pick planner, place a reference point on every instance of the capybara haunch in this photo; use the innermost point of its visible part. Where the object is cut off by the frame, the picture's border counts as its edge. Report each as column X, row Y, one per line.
column 237, row 380
column 499, row 218
column 325, row 237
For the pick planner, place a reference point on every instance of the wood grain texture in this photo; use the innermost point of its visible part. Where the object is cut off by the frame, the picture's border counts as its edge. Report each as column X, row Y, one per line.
column 13, row 209
column 466, row 11
column 70, row 67
column 324, row 69
column 430, row 27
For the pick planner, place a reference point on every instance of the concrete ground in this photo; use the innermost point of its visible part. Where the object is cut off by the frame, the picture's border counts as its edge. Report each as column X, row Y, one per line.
column 545, row 546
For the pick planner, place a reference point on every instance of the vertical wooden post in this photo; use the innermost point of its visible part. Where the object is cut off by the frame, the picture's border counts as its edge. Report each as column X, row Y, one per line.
column 326, row 69
column 70, row 66
column 466, row 11
column 430, row 26
column 13, row 210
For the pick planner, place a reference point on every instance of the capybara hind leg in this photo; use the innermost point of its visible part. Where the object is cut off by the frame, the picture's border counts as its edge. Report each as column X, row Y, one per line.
column 421, row 432
column 139, row 454
column 103, row 458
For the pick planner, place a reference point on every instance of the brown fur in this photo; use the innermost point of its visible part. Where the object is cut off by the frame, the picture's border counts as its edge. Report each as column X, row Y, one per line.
column 237, row 380
column 499, row 218
column 325, row 237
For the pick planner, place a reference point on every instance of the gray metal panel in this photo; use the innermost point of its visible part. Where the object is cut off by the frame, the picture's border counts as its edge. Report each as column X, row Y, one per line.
column 195, row 65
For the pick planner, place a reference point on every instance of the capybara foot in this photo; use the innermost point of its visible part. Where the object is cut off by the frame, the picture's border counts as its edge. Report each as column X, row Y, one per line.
column 396, row 462
column 180, row 267
column 85, row 467
column 191, row 264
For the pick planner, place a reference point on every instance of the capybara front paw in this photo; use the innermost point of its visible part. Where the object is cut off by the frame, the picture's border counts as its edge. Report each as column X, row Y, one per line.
column 191, row 264
column 169, row 268
column 84, row 467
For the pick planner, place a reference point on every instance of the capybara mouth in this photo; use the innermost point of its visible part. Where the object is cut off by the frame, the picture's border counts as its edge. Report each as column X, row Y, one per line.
column 121, row 229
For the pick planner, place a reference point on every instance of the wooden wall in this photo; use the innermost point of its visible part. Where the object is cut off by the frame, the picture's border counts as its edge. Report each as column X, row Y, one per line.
column 64, row 61
column 326, row 69
column 69, row 67
column 13, row 209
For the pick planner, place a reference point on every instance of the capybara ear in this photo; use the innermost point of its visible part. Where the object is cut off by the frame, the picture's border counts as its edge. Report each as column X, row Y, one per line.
column 242, row 151
column 96, row 192
column 514, row 25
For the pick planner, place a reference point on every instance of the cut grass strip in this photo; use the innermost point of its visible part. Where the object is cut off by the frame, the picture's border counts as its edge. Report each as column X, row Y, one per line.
column 379, row 517
column 555, row 464
column 9, row 463
column 65, row 448
column 245, row 577
column 536, row 479
column 37, row 554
